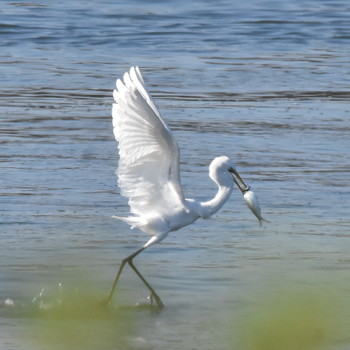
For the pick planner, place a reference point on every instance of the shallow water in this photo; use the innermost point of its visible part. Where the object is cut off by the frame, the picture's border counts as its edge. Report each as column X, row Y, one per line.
column 264, row 82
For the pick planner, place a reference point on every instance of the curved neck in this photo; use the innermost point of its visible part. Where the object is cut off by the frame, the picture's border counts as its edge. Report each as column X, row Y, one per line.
column 212, row 206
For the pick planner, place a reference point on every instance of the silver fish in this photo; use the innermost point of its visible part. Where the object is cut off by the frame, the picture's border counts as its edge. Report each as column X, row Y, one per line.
column 252, row 202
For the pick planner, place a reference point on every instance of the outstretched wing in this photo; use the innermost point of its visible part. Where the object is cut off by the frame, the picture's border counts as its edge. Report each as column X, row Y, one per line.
column 148, row 170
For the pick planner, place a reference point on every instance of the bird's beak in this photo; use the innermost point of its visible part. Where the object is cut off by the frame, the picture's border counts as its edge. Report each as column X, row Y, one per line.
column 238, row 180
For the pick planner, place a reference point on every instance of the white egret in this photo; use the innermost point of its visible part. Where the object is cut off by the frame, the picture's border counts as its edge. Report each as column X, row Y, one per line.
column 148, row 171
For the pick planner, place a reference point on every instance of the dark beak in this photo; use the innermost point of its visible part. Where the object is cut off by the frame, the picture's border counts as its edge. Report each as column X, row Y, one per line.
column 238, row 180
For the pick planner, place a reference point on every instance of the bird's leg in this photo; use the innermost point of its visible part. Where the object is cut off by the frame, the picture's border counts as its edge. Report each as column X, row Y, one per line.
column 152, row 291
column 127, row 259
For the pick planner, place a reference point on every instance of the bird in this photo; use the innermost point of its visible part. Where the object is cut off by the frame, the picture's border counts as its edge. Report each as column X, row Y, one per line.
column 148, row 172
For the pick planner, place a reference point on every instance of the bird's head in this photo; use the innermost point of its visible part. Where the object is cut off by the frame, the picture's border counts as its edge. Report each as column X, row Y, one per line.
column 223, row 169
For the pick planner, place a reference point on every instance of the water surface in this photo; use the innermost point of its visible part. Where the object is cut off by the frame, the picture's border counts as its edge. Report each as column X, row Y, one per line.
column 263, row 82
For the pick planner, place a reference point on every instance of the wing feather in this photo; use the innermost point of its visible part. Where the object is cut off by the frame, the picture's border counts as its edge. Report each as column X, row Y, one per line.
column 148, row 169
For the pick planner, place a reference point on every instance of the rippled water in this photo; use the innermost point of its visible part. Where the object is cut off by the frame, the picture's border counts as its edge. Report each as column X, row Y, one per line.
column 264, row 82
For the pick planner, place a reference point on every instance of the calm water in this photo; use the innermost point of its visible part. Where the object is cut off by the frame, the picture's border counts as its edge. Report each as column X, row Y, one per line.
column 264, row 82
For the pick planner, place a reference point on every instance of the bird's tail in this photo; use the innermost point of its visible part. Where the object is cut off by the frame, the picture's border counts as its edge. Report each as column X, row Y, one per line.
column 133, row 221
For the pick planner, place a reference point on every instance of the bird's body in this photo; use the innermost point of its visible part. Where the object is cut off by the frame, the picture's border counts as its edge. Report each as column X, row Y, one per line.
column 148, row 170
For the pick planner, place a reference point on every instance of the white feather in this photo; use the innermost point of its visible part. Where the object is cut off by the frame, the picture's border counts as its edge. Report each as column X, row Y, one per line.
column 148, row 170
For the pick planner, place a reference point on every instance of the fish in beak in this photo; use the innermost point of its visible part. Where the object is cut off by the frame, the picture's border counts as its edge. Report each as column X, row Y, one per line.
column 249, row 196
column 251, row 199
